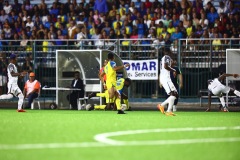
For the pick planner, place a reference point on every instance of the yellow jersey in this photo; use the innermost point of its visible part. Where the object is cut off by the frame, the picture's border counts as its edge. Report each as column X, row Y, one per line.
column 120, row 85
column 110, row 74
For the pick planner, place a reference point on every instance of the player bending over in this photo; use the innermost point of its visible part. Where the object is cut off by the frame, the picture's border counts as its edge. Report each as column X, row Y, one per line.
column 215, row 87
column 121, row 83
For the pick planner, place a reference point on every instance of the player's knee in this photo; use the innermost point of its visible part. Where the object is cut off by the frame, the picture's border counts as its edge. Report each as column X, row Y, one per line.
column 175, row 94
column 20, row 96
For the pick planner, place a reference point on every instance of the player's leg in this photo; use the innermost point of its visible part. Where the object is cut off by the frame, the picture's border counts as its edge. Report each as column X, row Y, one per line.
column 176, row 101
column 111, row 90
column 10, row 93
column 170, row 90
column 236, row 92
column 18, row 93
column 6, row 96
column 118, row 103
column 167, row 90
column 31, row 97
column 125, row 100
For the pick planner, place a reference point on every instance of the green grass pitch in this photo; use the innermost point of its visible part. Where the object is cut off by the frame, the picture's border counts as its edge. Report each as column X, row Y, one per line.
column 104, row 135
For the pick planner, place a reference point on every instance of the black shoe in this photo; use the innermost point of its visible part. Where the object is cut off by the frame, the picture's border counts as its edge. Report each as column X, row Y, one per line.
column 91, row 95
column 121, row 112
column 92, row 107
column 129, row 109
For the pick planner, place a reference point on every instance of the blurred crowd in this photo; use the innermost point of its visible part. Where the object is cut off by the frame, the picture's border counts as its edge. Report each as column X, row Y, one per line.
column 164, row 21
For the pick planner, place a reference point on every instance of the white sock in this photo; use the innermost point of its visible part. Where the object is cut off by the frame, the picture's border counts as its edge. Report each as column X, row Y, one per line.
column 174, row 108
column 171, row 102
column 20, row 101
column 165, row 102
column 6, row 96
column 237, row 93
column 222, row 101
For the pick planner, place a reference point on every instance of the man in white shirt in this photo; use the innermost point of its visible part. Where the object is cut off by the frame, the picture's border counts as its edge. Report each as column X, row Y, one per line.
column 13, row 89
column 167, row 84
column 29, row 22
column 215, row 87
column 7, row 7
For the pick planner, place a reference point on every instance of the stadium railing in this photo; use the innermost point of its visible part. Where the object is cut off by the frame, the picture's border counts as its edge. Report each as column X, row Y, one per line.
column 198, row 59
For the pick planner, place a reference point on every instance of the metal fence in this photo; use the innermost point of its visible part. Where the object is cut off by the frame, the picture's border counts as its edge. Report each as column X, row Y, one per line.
column 199, row 60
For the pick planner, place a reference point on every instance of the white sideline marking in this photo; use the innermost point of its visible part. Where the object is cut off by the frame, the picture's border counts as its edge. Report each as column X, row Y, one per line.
column 104, row 141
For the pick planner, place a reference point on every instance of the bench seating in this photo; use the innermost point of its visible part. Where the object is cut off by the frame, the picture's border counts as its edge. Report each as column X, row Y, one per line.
column 89, row 88
column 203, row 94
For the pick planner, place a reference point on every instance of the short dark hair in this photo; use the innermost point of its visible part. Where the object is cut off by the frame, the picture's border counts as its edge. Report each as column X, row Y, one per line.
column 110, row 55
column 128, row 80
column 76, row 72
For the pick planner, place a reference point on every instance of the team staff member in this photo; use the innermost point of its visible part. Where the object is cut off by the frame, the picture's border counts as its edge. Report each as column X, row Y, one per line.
column 77, row 83
column 31, row 89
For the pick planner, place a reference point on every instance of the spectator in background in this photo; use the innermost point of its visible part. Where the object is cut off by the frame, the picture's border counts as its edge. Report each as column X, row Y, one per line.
column 101, row 6
column 31, row 89
column 203, row 21
column 77, row 83
column 72, row 30
column 29, row 22
column 3, row 16
column 222, row 8
column 177, row 34
column 138, row 4
column 3, row 72
column 16, row 6
column 27, row 64
column 212, row 16
column 7, row 7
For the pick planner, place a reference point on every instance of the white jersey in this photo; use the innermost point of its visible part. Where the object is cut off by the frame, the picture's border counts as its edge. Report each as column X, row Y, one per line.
column 165, row 78
column 164, row 72
column 216, row 87
column 12, row 68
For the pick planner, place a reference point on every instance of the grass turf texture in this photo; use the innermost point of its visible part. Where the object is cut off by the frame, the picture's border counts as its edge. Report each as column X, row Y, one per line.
column 62, row 126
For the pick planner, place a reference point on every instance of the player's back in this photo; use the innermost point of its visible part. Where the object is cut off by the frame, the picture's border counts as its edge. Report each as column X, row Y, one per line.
column 214, row 84
column 12, row 68
column 164, row 72
column 120, row 84
column 111, row 76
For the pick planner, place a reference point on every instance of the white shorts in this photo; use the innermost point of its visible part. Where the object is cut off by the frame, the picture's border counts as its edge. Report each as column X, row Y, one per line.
column 220, row 89
column 14, row 89
column 168, row 85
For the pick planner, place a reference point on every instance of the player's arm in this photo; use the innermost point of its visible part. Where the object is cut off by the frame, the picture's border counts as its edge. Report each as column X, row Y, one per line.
column 160, row 84
column 24, row 91
column 167, row 67
column 121, row 67
column 101, row 76
column 223, row 76
column 180, row 78
column 21, row 74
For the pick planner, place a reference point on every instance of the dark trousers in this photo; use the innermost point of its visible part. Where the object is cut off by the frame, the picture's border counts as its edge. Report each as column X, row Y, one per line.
column 73, row 98
column 30, row 98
